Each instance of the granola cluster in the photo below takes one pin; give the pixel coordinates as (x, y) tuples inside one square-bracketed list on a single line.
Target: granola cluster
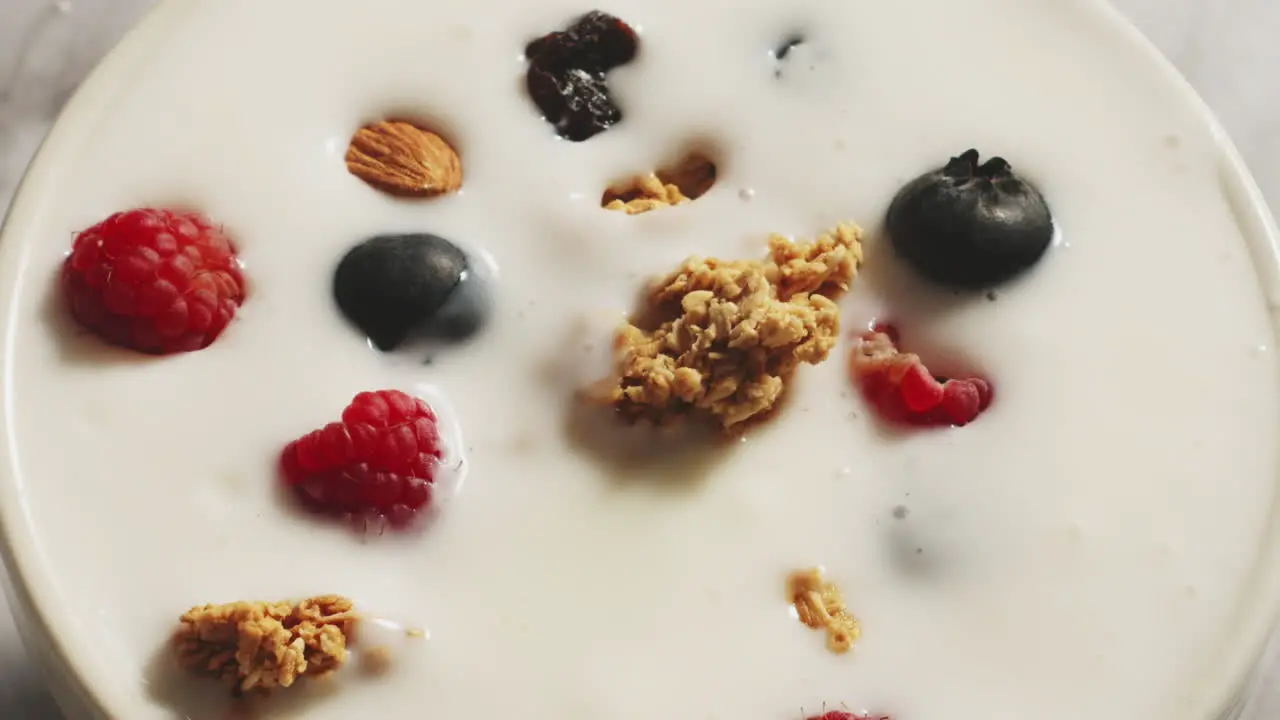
[(648, 192), (262, 646), (722, 338), (676, 185), (820, 606)]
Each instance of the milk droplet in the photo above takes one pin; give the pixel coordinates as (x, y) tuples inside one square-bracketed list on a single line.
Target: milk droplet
[(385, 640)]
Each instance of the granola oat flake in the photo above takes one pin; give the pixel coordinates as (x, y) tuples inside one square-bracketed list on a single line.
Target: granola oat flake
[(261, 646)]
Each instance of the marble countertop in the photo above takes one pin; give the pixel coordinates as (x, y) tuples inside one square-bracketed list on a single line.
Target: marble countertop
[(1226, 48)]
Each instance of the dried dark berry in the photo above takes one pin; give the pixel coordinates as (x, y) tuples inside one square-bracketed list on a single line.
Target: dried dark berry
[(970, 225), (567, 74), (393, 287), (575, 101), (597, 42)]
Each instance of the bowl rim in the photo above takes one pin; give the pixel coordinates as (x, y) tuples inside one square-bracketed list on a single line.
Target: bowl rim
[(81, 689)]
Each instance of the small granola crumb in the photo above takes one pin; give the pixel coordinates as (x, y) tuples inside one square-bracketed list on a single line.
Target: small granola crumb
[(821, 607), (676, 185), (645, 193), (262, 646), (723, 338)]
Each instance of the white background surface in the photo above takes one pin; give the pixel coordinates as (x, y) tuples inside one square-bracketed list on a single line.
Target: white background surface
[(1228, 49)]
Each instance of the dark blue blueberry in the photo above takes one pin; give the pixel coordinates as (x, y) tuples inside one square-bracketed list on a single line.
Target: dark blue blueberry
[(397, 287), (969, 225)]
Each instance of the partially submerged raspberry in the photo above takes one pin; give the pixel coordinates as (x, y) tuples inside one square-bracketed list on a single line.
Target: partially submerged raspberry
[(262, 646), (820, 606), (722, 338), (155, 281), (375, 465), (688, 180), (902, 390), (567, 74), (841, 715)]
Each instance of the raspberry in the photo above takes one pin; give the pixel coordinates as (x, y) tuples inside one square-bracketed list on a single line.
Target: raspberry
[(839, 715), (921, 391), (376, 465), (155, 281), (903, 390)]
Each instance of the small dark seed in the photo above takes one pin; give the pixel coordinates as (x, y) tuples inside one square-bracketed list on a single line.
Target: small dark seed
[(784, 49)]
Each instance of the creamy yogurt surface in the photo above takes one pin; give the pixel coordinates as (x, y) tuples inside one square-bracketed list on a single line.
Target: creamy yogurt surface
[(1079, 551)]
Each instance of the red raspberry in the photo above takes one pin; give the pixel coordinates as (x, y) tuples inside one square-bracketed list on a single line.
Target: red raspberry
[(154, 280), (377, 465), (839, 715), (903, 390)]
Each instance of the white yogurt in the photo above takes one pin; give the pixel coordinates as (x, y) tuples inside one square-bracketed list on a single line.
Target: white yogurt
[(1079, 552)]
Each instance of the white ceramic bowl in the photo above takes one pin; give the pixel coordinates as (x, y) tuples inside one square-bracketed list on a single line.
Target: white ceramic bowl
[(86, 687)]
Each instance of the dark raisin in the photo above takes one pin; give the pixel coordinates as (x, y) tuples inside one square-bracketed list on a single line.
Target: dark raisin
[(597, 41), (567, 74), (968, 225), (576, 102)]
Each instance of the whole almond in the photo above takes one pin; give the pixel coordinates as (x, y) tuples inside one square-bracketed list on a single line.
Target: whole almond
[(402, 159)]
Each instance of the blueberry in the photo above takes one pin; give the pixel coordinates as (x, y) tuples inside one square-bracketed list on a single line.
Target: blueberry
[(393, 287), (567, 74), (970, 225)]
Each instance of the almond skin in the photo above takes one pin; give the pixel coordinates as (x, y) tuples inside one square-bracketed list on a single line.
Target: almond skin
[(402, 159)]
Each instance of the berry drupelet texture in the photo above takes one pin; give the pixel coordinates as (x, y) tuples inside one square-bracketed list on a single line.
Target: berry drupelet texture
[(376, 465), (902, 390), (155, 281)]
